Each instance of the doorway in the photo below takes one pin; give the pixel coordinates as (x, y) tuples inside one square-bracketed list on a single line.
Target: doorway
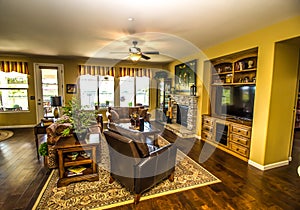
[(48, 82)]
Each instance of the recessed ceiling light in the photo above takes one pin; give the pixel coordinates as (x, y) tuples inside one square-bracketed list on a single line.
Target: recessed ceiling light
[(130, 19)]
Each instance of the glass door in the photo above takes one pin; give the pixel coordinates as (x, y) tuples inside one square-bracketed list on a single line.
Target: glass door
[(49, 82)]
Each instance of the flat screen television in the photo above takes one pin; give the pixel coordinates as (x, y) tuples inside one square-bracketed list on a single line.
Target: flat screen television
[(235, 101)]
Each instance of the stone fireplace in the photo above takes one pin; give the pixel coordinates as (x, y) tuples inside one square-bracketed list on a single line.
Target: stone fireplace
[(188, 110)]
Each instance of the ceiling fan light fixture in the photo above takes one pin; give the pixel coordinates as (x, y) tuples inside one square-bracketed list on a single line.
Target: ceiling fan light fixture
[(135, 56)]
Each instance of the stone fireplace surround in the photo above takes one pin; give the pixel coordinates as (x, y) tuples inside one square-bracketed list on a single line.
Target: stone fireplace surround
[(191, 102)]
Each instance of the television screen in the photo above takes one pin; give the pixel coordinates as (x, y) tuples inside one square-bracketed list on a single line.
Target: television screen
[(236, 101)]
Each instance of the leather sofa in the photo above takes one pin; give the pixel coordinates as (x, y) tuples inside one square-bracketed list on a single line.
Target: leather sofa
[(136, 165), (122, 114)]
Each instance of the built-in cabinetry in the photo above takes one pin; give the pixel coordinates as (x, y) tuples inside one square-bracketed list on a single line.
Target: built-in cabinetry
[(229, 125), (237, 69), (229, 136)]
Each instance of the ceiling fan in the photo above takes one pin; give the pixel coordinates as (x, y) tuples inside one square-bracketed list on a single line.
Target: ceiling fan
[(135, 53)]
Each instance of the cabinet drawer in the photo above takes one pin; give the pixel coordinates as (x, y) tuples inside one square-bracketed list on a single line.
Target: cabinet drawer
[(208, 121), (244, 131), (207, 128), (239, 149), (240, 140), (206, 136)]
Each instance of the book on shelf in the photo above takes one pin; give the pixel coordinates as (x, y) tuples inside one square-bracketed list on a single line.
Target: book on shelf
[(71, 173), (76, 169)]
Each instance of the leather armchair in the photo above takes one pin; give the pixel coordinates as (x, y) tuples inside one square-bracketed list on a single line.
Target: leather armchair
[(136, 169)]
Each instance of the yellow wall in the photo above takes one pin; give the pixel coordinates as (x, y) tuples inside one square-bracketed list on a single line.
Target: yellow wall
[(28, 118), (284, 89), (264, 147)]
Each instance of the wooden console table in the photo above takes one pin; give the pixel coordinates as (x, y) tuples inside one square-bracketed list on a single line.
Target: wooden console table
[(69, 145)]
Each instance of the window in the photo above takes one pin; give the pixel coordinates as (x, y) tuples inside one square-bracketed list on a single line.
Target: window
[(126, 91), (89, 94), (106, 91), (88, 91), (13, 91), (49, 88), (134, 90), (142, 90)]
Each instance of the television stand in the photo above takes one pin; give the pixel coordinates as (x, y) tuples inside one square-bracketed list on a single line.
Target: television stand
[(228, 134)]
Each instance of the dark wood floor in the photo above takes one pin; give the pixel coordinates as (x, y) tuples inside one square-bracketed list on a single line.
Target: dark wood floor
[(243, 187)]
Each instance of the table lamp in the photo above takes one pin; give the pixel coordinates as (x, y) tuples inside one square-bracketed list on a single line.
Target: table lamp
[(56, 101)]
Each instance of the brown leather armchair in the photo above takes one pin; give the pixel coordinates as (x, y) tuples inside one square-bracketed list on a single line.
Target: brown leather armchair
[(135, 166)]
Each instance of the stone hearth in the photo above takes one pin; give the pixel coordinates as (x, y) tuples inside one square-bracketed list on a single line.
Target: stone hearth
[(191, 102)]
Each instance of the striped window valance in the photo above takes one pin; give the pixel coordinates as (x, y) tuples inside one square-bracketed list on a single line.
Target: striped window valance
[(14, 66), (134, 72), (96, 70)]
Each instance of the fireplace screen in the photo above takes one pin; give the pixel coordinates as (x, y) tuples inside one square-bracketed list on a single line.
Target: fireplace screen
[(182, 114)]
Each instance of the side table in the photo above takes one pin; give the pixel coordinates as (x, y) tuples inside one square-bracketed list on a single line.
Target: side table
[(69, 145), (39, 129)]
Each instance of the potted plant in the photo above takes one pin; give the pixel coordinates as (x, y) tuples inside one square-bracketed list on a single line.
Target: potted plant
[(43, 151), (80, 119)]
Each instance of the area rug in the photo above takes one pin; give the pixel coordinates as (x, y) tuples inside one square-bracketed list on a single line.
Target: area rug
[(5, 134), (102, 195)]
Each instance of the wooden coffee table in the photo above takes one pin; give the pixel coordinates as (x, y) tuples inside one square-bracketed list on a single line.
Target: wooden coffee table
[(69, 145)]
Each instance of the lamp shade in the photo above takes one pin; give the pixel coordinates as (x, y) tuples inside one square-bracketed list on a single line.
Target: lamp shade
[(56, 101)]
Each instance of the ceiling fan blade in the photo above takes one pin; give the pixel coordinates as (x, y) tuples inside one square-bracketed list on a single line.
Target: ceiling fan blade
[(118, 52), (152, 53), (145, 57)]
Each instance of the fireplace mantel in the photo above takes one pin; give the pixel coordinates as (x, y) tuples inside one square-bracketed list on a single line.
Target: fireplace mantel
[(191, 102)]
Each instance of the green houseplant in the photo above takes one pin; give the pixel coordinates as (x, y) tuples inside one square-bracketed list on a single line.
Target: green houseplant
[(43, 151), (80, 118)]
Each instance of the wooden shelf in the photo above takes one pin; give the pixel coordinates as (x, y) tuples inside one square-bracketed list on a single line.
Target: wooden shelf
[(71, 145)]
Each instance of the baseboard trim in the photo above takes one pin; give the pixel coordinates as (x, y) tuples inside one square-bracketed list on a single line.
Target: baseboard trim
[(269, 166), (18, 126)]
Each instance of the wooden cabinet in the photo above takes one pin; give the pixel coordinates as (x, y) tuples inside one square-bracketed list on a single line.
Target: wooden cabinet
[(77, 161), (235, 69), (227, 135)]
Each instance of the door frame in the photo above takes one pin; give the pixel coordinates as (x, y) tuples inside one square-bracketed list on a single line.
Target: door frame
[(38, 87)]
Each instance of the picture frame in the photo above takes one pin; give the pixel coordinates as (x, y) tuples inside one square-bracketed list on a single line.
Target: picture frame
[(185, 76), (71, 88)]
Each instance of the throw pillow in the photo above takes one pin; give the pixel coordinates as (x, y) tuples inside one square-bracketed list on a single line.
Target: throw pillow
[(114, 115)]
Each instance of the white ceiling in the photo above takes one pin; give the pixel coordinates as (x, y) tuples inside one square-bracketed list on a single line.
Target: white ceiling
[(95, 28)]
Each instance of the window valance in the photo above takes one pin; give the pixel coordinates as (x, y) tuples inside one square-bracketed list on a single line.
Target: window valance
[(134, 72), (97, 70), (111, 71), (14, 66)]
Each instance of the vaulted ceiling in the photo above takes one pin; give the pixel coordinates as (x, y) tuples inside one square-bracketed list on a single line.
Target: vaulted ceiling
[(102, 28)]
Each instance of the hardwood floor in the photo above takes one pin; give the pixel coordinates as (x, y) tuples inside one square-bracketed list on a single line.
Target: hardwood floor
[(243, 187)]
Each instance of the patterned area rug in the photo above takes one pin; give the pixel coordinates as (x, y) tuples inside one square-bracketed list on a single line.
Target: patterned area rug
[(102, 195), (5, 134)]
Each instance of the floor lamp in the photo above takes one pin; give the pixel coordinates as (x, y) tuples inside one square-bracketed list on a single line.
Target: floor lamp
[(56, 101)]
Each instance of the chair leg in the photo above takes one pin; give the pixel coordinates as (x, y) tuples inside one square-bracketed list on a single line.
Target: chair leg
[(111, 180), (171, 177), (137, 198)]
